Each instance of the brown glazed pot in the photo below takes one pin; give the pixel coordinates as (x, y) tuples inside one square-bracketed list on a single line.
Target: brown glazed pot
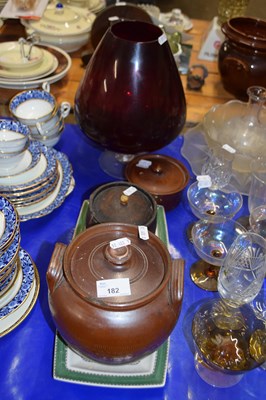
[(242, 56), (116, 329), (108, 203), (165, 178)]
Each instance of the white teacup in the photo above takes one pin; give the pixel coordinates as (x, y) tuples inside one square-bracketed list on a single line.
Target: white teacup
[(39, 111), (33, 106)]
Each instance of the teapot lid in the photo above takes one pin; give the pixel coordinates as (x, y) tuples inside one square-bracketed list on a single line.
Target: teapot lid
[(122, 202), (91, 260), (159, 174)]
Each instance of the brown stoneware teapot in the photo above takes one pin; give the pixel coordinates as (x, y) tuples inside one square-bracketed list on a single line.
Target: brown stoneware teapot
[(114, 297)]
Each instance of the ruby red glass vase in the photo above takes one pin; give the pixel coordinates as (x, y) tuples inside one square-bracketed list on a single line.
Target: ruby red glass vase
[(131, 98)]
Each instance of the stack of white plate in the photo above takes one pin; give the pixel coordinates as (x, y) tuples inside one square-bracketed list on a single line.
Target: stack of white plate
[(39, 65), (39, 183), (19, 279)]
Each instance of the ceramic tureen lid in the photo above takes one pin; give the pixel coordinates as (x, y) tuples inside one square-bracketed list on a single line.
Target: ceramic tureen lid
[(60, 19), (122, 202), (97, 255), (157, 173)]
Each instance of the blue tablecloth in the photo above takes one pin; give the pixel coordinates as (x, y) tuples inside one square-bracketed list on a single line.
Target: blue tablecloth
[(26, 353)]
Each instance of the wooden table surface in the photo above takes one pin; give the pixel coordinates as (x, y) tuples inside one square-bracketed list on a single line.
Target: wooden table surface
[(198, 102)]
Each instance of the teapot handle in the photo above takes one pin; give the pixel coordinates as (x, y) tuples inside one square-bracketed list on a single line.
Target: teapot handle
[(177, 281), (55, 269)]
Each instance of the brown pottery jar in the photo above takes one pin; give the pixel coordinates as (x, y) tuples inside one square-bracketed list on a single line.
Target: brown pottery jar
[(242, 56), (110, 328)]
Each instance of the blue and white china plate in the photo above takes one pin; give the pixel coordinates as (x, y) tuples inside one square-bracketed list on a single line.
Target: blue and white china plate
[(10, 222), (64, 186), (8, 281), (13, 313), (8, 255), (37, 195), (41, 171), (30, 158)]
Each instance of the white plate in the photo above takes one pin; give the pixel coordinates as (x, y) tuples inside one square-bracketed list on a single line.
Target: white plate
[(11, 57), (64, 64), (55, 199), (13, 313), (48, 65)]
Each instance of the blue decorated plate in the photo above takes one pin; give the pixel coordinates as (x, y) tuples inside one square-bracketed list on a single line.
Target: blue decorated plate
[(55, 199), (9, 255), (13, 313), (9, 222)]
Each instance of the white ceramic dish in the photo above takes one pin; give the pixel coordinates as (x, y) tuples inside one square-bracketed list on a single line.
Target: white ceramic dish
[(12, 59), (63, 26), (48, 64), (64, 64), (13, 313)]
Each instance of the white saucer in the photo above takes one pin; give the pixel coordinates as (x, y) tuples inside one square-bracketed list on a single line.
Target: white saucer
[(13, 313)]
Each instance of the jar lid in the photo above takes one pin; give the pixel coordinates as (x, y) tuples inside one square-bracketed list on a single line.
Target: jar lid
[(89, 260), (122, 202), (60, 19), (158, 174)]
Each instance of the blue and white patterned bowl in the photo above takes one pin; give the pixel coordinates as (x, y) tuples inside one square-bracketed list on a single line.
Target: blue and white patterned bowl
[(33, 106), (13, 136)]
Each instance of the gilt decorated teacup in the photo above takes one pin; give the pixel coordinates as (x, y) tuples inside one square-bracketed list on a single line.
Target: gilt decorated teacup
[(39, 110)]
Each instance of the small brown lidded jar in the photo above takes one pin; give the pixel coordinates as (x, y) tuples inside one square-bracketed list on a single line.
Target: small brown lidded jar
[(122, 202), (114, 324), (162, 176)]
